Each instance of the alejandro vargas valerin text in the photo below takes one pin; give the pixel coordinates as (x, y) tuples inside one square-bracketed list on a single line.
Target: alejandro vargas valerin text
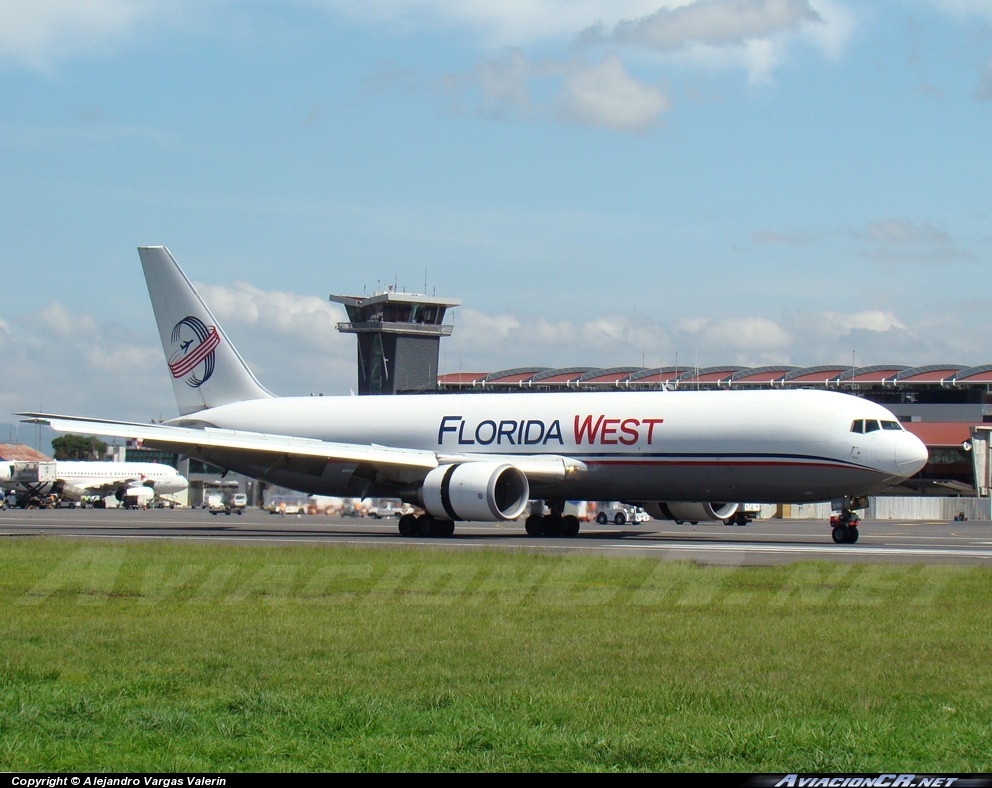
[(147, 781)]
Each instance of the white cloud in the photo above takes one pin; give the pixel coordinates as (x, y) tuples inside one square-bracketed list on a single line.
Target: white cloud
[(739, 341), (605, 95), (36, 32), (71, 362), (716, 23), (290, 341), (897, 240), (833, 36), (55, 320), (730, 34), (490, 342), (305, 320), (743, 334), (838, 324), (498, 23), (506, 84), (712, 34), (904, 231), (599, 94)]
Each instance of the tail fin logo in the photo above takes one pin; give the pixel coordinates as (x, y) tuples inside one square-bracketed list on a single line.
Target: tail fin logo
[(193, 344)]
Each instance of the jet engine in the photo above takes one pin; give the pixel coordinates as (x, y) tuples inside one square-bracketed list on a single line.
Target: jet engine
[(690, 511), (480, 491)]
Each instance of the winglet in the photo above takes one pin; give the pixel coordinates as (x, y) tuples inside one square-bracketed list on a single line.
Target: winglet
[(205, 367)]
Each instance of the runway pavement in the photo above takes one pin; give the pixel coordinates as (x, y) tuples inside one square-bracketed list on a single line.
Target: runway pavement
[(762, 543)]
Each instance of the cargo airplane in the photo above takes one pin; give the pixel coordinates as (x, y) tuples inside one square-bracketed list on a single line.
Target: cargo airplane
[(684, 455)]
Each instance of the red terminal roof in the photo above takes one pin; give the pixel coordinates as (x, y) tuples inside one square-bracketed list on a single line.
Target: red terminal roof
[(461, 377), (641, 377), (981, 374), (940, 433)]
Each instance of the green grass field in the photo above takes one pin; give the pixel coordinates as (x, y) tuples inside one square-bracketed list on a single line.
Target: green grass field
[(181, 657)]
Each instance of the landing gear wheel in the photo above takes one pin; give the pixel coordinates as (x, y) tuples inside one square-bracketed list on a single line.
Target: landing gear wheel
[(443, 528), (551, 525), (570, 525), (534, 525), (408, 525), (841, 534)]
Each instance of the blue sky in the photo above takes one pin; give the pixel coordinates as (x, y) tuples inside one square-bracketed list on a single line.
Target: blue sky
[(600, 183)]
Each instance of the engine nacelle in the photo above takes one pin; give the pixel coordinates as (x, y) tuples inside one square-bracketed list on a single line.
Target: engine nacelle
[(480, 491), (690, 511)]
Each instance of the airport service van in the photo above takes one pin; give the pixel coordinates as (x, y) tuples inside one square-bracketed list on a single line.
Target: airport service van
[(219, 503)]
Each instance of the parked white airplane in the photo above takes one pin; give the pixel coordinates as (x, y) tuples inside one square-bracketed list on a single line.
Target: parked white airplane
[(74, 480), (144, 481), (484, 456)]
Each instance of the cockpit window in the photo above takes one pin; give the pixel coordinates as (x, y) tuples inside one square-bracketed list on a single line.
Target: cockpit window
[(871, 425)]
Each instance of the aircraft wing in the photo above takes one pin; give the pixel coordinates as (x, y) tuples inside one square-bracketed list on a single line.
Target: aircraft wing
[(191, 441)]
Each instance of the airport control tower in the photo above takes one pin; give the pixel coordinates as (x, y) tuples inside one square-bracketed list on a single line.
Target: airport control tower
[(399, 336)]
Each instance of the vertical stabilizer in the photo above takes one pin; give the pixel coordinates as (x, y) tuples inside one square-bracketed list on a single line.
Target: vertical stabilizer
[(206, 369)]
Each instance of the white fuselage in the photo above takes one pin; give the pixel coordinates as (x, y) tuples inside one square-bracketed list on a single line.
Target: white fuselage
[(761, 446), (103, 477)]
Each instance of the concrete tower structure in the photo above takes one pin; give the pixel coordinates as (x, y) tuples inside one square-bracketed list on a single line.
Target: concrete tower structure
[(399, 337)]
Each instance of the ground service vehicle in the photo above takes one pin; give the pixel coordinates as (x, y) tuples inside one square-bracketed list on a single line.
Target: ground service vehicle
[(385, 508), (621, 514), (227, 504)]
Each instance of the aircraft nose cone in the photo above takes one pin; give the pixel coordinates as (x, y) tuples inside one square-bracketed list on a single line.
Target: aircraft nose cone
[(911, 455)]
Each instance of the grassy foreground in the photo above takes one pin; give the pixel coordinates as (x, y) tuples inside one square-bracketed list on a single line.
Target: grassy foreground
[(179, 657)]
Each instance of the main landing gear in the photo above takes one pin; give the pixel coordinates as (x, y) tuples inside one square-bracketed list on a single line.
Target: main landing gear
[(844, 526), (425, 525), (554, 523)]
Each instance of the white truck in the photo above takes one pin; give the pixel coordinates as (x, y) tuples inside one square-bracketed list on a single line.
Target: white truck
[(387, 507), (232, 504), (746, 512)]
